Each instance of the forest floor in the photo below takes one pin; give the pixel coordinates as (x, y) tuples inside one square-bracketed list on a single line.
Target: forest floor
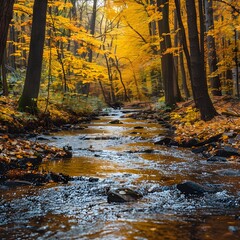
[(20, 157)]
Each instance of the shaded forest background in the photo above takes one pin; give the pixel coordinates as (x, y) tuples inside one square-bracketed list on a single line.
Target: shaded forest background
[(87, 54)]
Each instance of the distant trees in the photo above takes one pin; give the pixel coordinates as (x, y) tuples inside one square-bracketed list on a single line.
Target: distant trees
[(121, 50)]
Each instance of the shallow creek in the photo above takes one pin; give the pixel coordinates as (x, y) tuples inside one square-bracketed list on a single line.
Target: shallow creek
[(124, 155)]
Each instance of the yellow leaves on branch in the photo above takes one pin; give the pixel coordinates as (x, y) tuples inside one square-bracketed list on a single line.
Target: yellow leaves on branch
[(61, 5)]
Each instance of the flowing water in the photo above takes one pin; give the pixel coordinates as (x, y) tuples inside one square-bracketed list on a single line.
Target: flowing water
[(124, 155)]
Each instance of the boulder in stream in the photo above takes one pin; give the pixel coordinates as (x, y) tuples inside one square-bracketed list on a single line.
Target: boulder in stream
[(115, 122), (167, 141), (193, 188), (227, 151), (122, 195)]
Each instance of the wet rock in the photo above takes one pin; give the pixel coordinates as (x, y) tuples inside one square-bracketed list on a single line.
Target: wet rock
[(34, 178), (200, 149), (42, 139), (228, 172), (217, 159), (123, 195), (190, 143), (15, 183), (167, 141), (58, 177), (93, 179), (149, 150), (227, 152), (138, 127), (66, 126), (25, 163), (115, 122), (68, 150), (192, 188), (212, 139), (134, 133)]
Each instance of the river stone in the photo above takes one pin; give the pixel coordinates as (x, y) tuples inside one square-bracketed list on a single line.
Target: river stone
[(192, 188), (123, 195), (167, 141), (115, 122), (217, 159), (227, 152), (16, 183)]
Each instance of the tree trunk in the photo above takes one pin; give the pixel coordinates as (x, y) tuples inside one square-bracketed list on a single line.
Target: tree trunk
[(4, 76), (184, 79), (212, 55), (202, 99), (167, 62), (6, 12), (177, 93), (126, 98), (183, 38), (32, 82)]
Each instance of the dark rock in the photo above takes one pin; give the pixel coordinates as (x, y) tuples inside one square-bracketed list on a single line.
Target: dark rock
[(148, 150), (42, 139), (167, 125), (25, 163), (115, 122), (167, 141), (93, 179), (16, 183), (59, 177), (228, 172), (227, 152), (68, 150), (34, 178), (66, 126), (123, 195), (192, 188), (217, 159), (200, 149), (210, 140), (190, 143), (138, 127), (206, 154)]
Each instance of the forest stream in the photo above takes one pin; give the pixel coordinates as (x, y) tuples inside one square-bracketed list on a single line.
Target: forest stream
[(124, 155)]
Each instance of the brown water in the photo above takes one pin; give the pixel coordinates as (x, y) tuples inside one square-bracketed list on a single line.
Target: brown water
[(121, 155)]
